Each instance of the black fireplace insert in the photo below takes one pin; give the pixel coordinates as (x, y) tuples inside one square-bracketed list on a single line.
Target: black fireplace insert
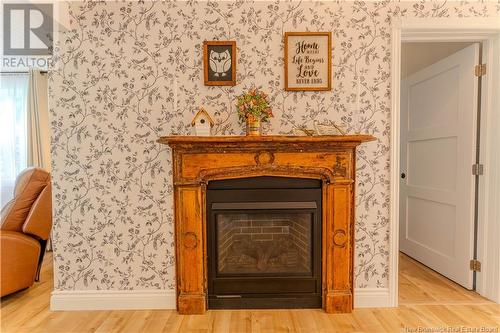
[(264, 243)]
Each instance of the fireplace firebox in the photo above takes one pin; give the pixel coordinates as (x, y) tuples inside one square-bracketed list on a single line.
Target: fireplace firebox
[(264, 243)]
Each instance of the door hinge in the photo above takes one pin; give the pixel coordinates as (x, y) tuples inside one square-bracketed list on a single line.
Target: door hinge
[(477, 169), (480, 70), (475, 265)]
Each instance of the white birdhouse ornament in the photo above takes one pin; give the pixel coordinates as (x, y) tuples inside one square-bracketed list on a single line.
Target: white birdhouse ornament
[(202, 123)]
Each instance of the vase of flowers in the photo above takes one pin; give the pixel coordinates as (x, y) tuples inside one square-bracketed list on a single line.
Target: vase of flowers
[(253, 109)]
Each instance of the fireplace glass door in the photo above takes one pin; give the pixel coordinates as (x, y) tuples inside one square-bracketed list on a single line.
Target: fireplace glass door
[(264, 243)]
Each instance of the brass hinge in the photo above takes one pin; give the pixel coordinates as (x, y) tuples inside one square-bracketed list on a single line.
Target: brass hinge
[(480, 70), (475, 265), (477, 169)]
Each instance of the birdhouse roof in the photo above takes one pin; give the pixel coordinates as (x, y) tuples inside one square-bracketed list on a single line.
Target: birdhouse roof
[(200, 113)]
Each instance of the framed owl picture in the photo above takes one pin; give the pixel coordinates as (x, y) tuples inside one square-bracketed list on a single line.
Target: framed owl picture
[(219, 62)]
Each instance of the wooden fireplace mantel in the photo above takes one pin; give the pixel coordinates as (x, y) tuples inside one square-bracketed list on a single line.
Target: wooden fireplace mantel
[(198, 160)]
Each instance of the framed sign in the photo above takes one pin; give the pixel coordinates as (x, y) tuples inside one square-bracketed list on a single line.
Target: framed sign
[(219, 62), (308, 61)]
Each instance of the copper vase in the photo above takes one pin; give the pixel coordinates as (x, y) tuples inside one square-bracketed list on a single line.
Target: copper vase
[(253, 127)]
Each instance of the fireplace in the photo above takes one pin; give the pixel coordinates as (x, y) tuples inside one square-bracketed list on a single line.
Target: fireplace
[(234, 194), (264, 243)]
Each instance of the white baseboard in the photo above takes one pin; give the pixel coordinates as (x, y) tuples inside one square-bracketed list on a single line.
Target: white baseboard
[(165, 299), (372, 298), (112, 300)]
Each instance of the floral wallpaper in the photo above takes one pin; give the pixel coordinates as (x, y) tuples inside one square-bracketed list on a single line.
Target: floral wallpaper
[(126, 73)]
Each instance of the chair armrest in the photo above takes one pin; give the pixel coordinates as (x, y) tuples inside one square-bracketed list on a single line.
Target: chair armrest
[(19, 255), (39, 220)]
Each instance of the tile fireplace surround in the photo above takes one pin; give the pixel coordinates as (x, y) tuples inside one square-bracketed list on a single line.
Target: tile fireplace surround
[(199, 160)]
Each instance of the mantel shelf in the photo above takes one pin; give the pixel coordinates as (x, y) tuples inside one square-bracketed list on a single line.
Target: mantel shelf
[(190, 139)]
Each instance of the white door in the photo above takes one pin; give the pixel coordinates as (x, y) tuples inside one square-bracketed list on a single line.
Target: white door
[(438, 137)]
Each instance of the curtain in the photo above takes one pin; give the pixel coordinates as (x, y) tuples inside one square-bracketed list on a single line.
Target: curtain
[(38, 121), (13, 131), (38, 124)]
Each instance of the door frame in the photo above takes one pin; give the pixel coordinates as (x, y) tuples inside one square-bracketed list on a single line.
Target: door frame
[(487, 31)]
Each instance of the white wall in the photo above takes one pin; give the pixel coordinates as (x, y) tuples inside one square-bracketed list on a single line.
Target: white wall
[(416, 56)]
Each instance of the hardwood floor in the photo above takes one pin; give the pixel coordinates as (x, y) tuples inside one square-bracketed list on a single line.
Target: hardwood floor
[(427, 300), (421, 285)]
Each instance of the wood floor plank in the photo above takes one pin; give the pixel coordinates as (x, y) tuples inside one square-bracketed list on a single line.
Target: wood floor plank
[(427, 300), (419, 284), (390, 319)]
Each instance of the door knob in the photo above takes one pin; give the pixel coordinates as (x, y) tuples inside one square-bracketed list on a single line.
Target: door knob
[(403, 175)]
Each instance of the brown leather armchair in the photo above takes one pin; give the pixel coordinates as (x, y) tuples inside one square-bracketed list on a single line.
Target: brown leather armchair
[(25, 227)]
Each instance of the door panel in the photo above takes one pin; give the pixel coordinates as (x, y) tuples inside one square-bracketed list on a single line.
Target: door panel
[(427, 112), (438, 123), (442, 152), (432, 215)]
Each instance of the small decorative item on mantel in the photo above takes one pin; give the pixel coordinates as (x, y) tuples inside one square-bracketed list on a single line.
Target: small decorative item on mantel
[(329, 127), (303, 131), (253, 108), (202, 123)]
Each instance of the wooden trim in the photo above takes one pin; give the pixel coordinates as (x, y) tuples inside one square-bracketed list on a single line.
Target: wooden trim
[(233, 63), (325, 139), (309, 33), (84, 300), (489, 196), (486, 29), (198, 160), (371, 298), (353, 218), (395, 168), (267, 170)]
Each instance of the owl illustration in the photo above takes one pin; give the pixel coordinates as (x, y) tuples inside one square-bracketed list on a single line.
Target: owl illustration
[(220, 62)]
